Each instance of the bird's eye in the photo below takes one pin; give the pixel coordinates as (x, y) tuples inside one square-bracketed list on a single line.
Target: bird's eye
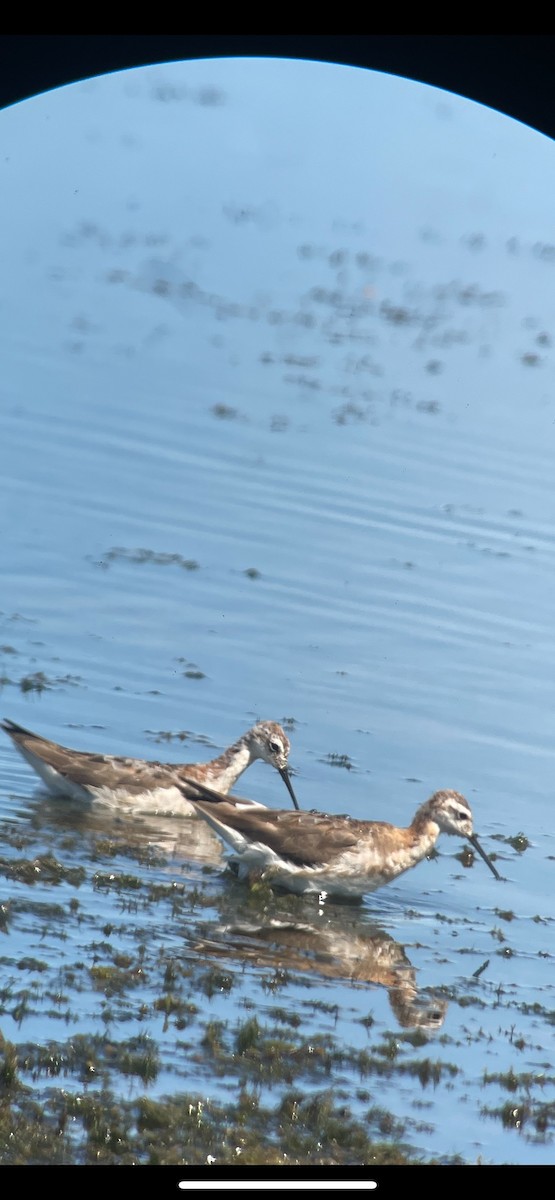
[(461, 815), (275, 747)]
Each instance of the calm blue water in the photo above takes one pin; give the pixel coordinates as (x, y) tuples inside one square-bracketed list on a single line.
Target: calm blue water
[(293, 323)]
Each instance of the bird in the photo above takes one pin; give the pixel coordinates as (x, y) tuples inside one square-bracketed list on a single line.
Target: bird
[(333, 855), (136, 783)]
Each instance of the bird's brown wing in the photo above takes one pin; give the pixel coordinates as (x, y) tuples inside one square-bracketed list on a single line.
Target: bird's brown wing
[(111, 771), (88, 769), (309, 839)]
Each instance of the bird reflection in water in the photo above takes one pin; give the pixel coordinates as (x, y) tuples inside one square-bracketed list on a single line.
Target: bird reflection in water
[(340, 950)]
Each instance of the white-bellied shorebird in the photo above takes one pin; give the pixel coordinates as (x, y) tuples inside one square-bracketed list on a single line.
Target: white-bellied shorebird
[(136, 783), (309, 851)]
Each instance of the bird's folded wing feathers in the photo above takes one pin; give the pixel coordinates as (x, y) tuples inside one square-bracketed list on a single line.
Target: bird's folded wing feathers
[(307, 838)]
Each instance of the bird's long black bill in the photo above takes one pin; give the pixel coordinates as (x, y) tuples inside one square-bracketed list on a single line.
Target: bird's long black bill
[(287, 781), (474, 841)]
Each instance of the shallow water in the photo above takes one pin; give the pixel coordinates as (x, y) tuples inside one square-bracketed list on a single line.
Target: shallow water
[(277, 441)]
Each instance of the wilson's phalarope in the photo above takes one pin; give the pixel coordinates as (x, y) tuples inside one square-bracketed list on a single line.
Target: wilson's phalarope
[(309, 851), (136, 782)]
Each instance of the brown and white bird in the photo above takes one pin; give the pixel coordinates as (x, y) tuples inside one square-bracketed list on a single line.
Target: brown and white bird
[(309, 851), (137, 784)]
